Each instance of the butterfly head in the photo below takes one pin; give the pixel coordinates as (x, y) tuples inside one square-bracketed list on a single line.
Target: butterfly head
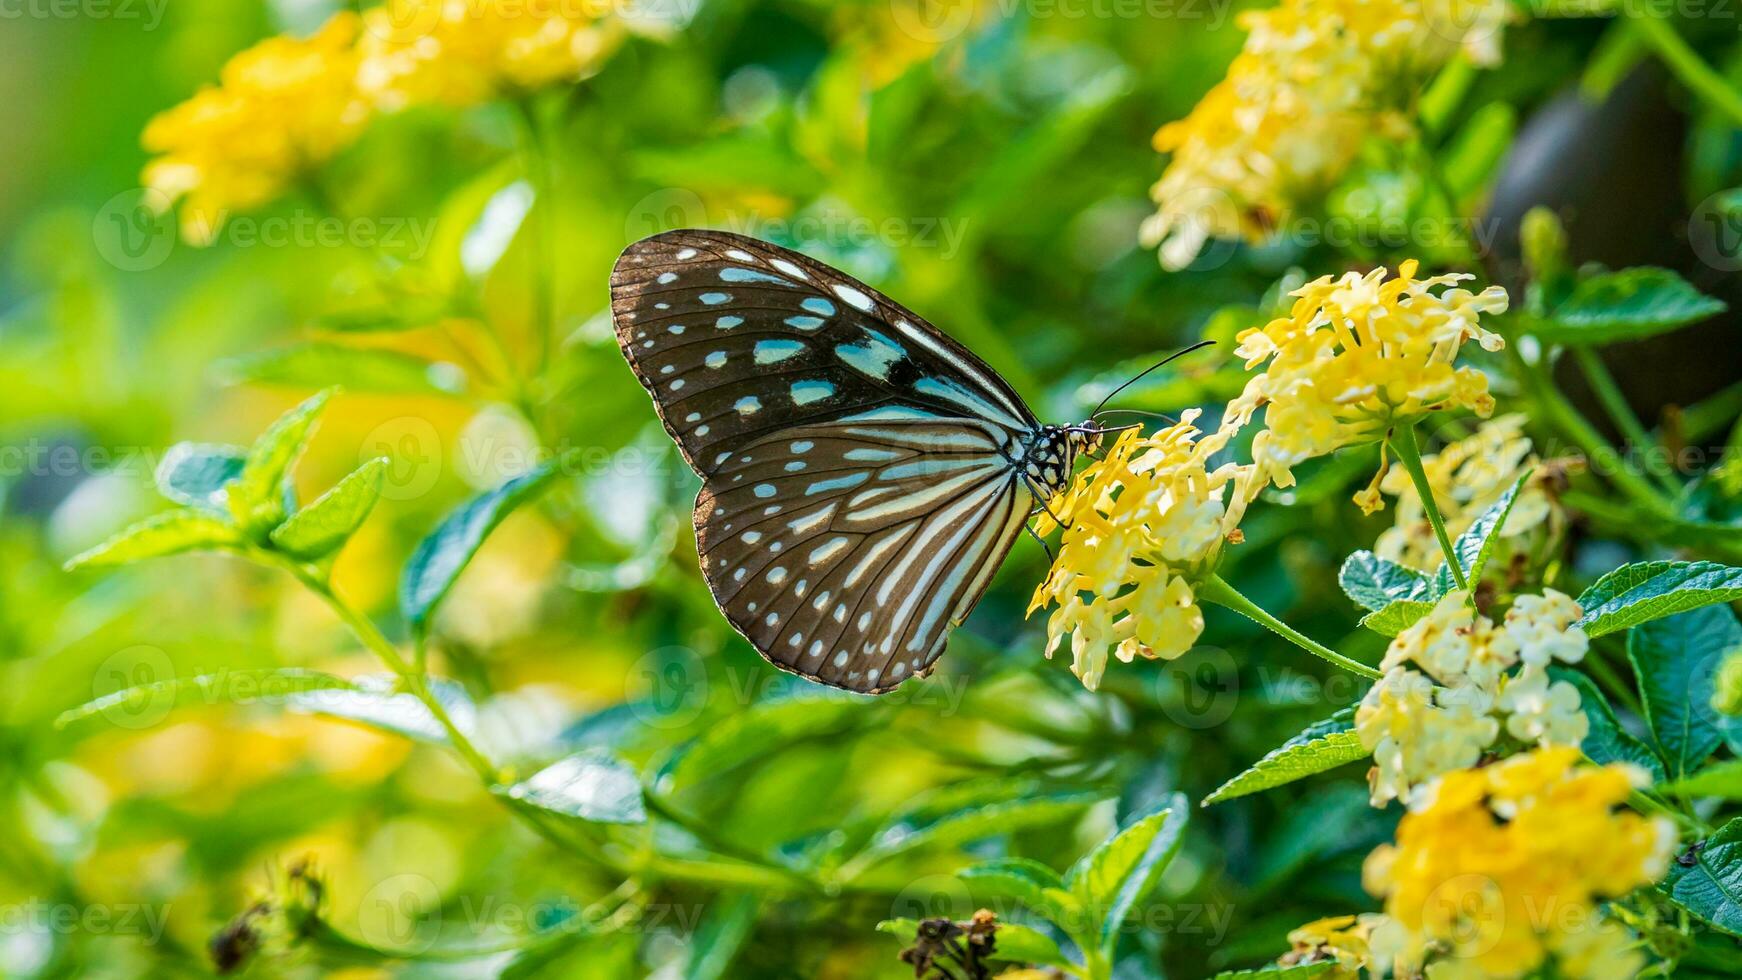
[(1085, 438)]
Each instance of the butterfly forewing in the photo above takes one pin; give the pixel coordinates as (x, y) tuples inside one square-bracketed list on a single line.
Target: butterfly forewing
[(861, 469)]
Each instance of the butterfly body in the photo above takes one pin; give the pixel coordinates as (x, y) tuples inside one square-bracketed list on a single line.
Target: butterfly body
[(863, 474)]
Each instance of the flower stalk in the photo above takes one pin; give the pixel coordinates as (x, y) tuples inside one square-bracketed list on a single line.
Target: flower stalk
[(1217, 590), (1403, 443)]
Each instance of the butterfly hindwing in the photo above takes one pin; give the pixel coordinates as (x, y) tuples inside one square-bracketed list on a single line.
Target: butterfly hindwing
[(861, 470), (846, 551)]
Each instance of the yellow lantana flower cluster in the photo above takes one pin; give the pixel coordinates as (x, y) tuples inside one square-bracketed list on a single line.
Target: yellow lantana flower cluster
[(1496, 870), (1140, 524), (1346, 940), (279, 109), (1314, 79), (463, 52), (287, 105), (1455, 679), (1357, 355), (1468, 477)]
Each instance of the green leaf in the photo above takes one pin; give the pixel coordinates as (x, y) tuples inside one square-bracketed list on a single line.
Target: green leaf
[(1374, 582), (593, 785), (370, 369), (1710, 886), (195, 474), (1322, 746), (498, 224), (1644, 591), (226, 687), (168, 533), (1475, 546), (1720, 780), (765, 727), (1029, 882), (1606, 741), (441, 557), (1115, 876), (721, 934), (914, 831), (323, 526), (1626, 305), (1676, 660), (1017, 943), (376, 701), (257, 497), (1397, 617), (1274, 972)]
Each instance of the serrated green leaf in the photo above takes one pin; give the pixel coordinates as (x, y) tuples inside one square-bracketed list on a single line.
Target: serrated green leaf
[(441, 557), (1644, 591), (916, 831), (370, 369), (593, 785), (1322, 746), (1720, 780), (1605, 740), (323, 526), (376, 701), (1029, 882), (1374, 582), (194, 473), (1626, 305), (169, 533), (764, 727), (1298, 972), (1397, 617), (1121, 871), (257, 495), (1475, 546), (1710, 884), (226, 687), (1676, 660)]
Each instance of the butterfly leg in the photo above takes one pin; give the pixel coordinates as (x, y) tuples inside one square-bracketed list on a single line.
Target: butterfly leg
[(1050, 557)]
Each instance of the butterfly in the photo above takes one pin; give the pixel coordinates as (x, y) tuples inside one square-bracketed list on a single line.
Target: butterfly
[(863, 474)]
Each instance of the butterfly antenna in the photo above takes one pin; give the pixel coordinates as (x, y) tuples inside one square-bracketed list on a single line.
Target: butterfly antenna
[(1138, 411), (1179, 353)]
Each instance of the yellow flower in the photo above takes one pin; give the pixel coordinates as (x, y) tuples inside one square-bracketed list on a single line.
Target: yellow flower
[(279, 109), (1356, 356), (463, 52), (1496, 870), (1343, 939), (1450, 685), (1468, 477), (1314, 79), (1142, 524)]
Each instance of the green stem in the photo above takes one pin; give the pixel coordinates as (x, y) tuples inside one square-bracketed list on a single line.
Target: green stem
[(1685, 62), (1584, 435), (1215, 589), (1615, 404), (1409, 454), (536, 164)]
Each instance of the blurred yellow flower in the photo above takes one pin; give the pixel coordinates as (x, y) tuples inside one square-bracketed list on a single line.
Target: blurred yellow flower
[(1356, 356), (1141, 525), (1468, 477), (279, 109), (1314, 79), (1497, 869), (1449, 686), (463, 52), (1342, 939)]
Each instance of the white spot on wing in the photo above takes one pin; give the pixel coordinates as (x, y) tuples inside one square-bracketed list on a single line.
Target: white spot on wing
[(717, 359), (854, 298), (775, 351), (788, 268), (748, 405), (805, 392)]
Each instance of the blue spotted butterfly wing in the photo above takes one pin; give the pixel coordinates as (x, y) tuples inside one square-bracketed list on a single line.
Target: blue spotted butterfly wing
[(861, 477)]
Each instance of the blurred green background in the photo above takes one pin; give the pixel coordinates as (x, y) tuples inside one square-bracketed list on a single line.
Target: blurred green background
[(993, 179)]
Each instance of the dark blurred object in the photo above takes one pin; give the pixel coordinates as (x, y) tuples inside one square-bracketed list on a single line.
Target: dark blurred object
[(1614, 172)]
